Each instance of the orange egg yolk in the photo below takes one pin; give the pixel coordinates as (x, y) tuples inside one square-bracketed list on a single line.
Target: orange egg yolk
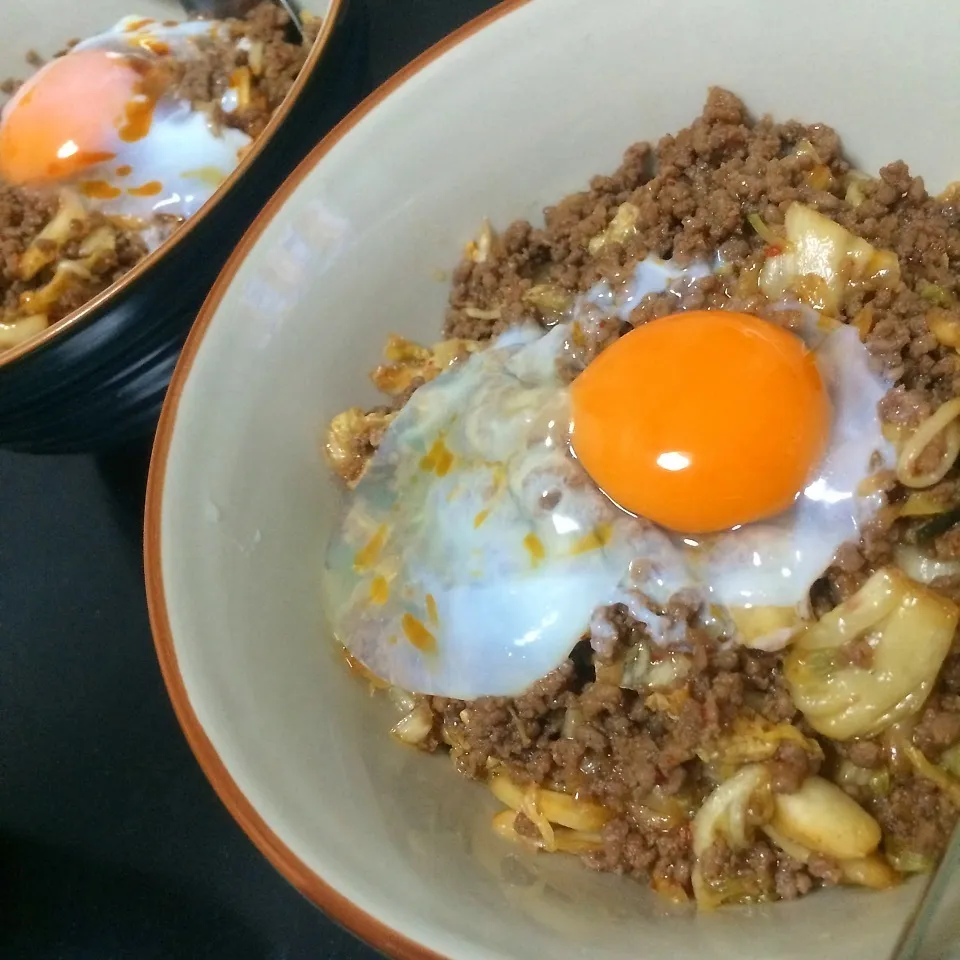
[(67, 117), (703, 420)]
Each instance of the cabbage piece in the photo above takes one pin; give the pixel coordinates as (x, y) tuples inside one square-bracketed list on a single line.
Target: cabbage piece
[(935, 294), (619, 230), (562, 840), (909, 629), (922, 503), (98, 247), (414, 727), (559, 808), (485, 246), (766, 233), (96, 251), (661, 811), (821, 817), (15, 332), (752, 739), (667, 671), (551, 301), (874, 781), (907, 861), (765, 628), (730, 814), (898, 739), (68, 276), (941, 424), (820, 259), (351, 438), (923, 568), (854, 182), (873, 871), (945, 325), (950, 760), (255, 57), (408, 361), (790, 847), (241, 80)]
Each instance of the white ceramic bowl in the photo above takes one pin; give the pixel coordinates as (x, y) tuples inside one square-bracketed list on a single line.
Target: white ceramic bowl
[(513, 112)]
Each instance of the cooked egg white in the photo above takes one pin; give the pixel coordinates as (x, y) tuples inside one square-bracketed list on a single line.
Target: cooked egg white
[(473, 553)]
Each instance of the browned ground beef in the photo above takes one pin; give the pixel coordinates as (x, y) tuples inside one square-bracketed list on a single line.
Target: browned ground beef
[(204, 80), (694, 191), (25, 212)]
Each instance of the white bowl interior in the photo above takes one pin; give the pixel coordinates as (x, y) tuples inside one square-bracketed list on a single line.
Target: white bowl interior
[(486, 130)]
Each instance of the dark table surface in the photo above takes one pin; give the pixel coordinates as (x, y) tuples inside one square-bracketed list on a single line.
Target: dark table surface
[(112, 843)]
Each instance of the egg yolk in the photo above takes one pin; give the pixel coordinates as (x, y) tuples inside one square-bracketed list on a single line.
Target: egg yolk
[(67, 116), (703, 420)]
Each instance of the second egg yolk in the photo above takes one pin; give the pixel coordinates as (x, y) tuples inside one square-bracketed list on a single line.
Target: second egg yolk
[(702, 420), (66, 117)]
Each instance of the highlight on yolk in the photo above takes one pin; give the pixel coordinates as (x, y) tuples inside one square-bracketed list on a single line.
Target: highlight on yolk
[(65, 118), (703, 420)]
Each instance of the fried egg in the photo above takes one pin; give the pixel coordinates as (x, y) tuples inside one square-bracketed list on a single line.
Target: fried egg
[(711, 453), (103, 118)]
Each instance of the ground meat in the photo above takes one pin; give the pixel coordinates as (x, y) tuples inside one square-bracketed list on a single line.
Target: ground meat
[(761, 872), (947, 545), (790, 766), (23, 214), (794, 878), (857, 653), (626, 748), (593, 728), (939, 724), (272, 69), (865, 753), (915, 816), (905, 408)]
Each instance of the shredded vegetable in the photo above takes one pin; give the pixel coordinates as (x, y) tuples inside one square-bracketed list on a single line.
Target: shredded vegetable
[(841, 700), (558, 808), (942, 421), (944, 324), (774, 240), (415, 726), (898, 738), (351, 438), (923, 568), (765, 628), (552, 302), (619, 230), (821, 258), (408, 362), (752, 739), (922, 503), (12, 334), (46, 246), (935, 294), (854, 182)]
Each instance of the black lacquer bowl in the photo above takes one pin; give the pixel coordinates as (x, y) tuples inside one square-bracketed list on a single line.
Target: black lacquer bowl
[(98, 377)]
